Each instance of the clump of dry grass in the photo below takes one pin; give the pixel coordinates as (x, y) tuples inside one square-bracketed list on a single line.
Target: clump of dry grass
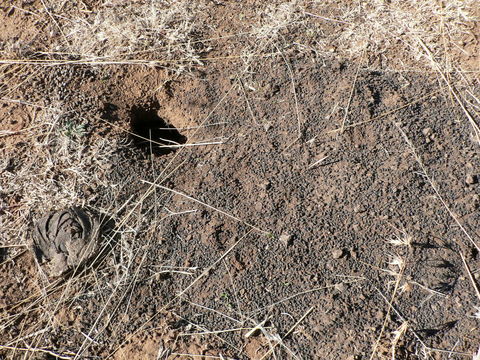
[(389, 30), (275, 18), (379, 26), (126, 30), (62, 164), (57, 165)]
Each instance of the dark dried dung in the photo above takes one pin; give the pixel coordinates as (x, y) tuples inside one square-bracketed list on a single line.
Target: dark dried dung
[(66, 239)]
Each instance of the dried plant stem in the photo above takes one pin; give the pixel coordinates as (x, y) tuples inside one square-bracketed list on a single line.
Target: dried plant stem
[(435, 189), (207, 206), (470, 275), (452, 89), (268, 353)]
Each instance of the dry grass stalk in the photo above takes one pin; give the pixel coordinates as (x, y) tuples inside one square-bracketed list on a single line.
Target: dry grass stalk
[(253, 227), (470, 276), (272, 349), (435, 189), (115, 31), (399, 262)]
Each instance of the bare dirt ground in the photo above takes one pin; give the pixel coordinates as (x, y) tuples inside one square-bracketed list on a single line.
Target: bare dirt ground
[(320, 200)]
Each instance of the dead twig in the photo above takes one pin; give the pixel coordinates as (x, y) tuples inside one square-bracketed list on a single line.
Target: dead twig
[(208, 206), (268, 353), (470, 275), (435, 189), (45, 351)]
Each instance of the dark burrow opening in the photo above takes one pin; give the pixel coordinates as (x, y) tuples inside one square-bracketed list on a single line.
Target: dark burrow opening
[(151, 133)]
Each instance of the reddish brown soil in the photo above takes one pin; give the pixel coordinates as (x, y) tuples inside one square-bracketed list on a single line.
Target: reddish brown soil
[(292, 213)]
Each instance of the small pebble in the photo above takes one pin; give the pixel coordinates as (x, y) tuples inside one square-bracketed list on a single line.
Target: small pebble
[(286, 239), (471, 179), (427, 131), (337, 253), (265, 185)]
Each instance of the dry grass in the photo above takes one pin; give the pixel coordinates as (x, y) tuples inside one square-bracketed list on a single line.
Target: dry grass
[(387, 31), (173, 33), (125, 30), (115, 32), (62, 164), (382, 27)]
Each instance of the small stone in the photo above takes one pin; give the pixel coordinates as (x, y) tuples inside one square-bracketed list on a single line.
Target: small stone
[(337, 253), (427, 131), (353, 357), (286, 239), (471, 179), (237, 263), (340, 287)]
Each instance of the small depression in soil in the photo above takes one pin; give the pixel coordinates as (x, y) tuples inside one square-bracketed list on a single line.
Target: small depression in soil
[(151, 133)]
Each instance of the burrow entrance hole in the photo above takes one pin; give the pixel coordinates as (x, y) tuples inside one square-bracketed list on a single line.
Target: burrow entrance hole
[(151, 133)]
